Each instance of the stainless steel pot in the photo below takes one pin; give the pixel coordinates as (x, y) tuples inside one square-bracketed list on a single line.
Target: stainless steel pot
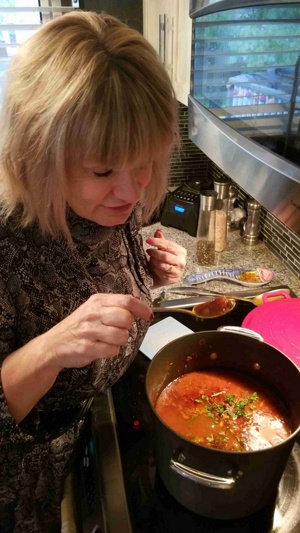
[(214, 483)]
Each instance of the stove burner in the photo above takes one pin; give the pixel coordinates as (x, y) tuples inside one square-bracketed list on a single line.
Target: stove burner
[(287, 511)]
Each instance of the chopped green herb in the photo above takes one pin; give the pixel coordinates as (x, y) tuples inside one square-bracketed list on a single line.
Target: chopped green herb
[(229, 398), (253, 397), (230, 407)]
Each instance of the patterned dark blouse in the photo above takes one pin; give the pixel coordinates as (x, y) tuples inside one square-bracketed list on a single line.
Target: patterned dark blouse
[(42, 280)]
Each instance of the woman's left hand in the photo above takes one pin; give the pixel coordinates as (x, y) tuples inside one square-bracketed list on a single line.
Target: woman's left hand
[(167, 260)]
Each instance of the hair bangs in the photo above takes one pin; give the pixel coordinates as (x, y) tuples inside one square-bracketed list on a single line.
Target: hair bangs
[(120, 126)]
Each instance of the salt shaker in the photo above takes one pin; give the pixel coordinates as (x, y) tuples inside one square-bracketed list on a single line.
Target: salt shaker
[(221, 186), (205, 240)]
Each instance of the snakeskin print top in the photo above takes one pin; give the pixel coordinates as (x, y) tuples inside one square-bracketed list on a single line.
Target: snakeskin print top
[(42, 280)]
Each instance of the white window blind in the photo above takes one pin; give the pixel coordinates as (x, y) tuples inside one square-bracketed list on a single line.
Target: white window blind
[(19, 19)]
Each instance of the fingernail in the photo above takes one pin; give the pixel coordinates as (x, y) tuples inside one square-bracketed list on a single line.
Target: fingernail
[(151, 317), (149, 241), (138, 297)]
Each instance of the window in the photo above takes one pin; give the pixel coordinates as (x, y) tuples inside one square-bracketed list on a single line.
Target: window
[(19, 19)]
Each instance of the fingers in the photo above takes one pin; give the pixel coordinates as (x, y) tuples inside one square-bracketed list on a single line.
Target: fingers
[(167, 260), (164, 245), (164, 260), (96, 329), (109, 318), (107, 304), (159, 234), (166, 253)]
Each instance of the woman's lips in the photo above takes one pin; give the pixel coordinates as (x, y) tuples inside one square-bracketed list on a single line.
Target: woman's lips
[(119, 210)]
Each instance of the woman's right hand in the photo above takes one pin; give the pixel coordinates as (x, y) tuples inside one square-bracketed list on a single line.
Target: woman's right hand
[(95, 330)]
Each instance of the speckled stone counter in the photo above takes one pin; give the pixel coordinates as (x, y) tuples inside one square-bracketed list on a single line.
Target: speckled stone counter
[(236, 254)]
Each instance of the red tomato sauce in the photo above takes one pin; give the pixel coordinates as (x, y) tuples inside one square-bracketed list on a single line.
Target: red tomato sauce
[(224, 410), (216, 307)]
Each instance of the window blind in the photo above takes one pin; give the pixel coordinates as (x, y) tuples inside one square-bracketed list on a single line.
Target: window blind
[(21, 18)]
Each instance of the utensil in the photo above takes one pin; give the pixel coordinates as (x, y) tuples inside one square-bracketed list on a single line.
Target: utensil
[(249, 277), (210, 309), (255, 300), (202, 292)]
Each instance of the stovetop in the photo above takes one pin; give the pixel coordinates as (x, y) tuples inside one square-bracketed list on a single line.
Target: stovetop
[(117, 486), (151, 508)]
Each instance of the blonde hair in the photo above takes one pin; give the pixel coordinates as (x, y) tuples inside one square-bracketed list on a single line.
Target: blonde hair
[(84, 85)]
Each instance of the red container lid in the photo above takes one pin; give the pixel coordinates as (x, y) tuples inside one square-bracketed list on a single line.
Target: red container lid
[(278, 322)]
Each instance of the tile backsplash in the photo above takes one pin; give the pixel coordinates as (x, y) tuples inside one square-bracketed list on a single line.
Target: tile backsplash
[(192, 164)]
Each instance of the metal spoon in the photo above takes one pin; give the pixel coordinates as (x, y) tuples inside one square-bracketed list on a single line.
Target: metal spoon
[(212, 309), (255, 300), (247, 293)]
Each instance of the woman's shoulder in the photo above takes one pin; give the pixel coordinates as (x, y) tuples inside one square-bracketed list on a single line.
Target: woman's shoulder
[(17, 243), (10, 238)]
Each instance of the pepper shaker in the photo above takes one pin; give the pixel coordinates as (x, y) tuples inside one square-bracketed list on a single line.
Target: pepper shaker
[(205, 240), (251, 231), (221, 186)]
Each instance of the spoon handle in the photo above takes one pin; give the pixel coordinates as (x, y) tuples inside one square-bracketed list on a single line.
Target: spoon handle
[(171, 310)]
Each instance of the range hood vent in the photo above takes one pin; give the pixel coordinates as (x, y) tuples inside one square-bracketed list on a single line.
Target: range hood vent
[(244, 106)]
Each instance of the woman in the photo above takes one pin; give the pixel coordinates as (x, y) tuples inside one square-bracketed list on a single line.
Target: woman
[(88, 126)]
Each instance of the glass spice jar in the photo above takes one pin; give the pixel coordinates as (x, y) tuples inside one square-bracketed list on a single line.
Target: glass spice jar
[(221, 186), (205, 239)]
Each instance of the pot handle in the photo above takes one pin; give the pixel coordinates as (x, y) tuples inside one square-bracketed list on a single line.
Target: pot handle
[(209, 480), (242, 331)]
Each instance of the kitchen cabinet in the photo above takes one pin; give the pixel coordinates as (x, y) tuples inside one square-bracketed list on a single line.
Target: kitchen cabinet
[(168, 27), (129, 11)]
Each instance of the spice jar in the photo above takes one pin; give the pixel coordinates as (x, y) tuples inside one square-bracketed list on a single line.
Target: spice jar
[(205, 240), (221, 186), (233, 193)]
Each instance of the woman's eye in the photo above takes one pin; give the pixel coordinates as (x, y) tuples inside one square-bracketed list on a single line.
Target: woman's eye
[(103, 174)]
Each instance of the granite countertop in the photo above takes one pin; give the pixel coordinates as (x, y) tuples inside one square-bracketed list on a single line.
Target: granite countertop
[(236, 254)]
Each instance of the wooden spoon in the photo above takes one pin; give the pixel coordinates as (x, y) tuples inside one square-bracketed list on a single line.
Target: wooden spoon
[(263, 298)]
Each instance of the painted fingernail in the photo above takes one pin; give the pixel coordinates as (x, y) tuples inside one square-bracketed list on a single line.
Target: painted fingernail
[(151, 317), (149, 241)]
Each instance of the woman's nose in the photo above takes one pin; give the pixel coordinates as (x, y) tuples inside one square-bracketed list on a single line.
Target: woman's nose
[(127, 187)]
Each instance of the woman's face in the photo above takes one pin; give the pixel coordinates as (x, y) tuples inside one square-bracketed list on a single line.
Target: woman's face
[(104, 195)]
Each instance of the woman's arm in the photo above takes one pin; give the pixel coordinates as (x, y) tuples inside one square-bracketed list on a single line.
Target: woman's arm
[(96, 329), (26, 376)]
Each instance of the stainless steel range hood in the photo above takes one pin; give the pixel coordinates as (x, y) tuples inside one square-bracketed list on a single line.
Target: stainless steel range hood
[(211, 6), (271, 179)]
